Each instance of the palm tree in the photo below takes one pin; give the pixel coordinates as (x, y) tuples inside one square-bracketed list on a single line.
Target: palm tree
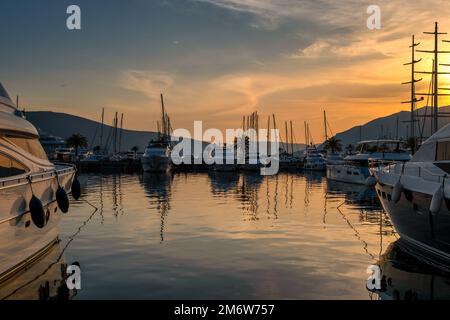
[(349, 148), (135, 149), (333, 144), (77, 141)]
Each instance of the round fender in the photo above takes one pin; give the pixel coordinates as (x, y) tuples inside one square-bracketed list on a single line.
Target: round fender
[(76, 189), (37, 212), (62, 200), (398, 189), (436, 201), (371, 181)]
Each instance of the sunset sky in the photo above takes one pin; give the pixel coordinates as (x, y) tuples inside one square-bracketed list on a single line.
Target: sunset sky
[(216, 60)]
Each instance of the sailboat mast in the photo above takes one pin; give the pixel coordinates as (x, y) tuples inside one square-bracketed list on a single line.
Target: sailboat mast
[(268, 135), (292, 140), (306, 135), (325, 124), (163, 117), (435, 77), (101, 128), (120, 132)]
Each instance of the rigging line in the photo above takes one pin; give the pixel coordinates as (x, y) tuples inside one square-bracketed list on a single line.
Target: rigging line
[(357, 234), (71, 238), (95, 136), (426, 109)]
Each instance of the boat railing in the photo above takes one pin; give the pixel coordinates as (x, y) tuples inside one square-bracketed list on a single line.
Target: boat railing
[(400, 168), (30, 177)]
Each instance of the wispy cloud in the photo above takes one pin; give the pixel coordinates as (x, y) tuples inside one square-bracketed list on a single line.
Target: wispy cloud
[(148, 83)]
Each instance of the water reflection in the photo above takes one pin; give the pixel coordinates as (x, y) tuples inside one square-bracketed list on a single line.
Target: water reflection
[(158, 190), (224, 235), (223, 183), (407, 275), (42, 280)]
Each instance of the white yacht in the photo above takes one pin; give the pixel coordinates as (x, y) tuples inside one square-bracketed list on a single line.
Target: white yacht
[(355, 168), (33, 192), (314, 160), (156, 157), (416, 195)]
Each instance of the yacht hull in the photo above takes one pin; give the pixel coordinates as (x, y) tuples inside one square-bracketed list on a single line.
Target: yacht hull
[(349, 174), (20, 239), (415, 223), (156, 163)]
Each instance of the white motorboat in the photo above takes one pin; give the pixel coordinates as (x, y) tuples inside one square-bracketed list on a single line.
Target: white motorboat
[(416, 195), (33, 192), (355, 168), (156, 157), (314, 160)]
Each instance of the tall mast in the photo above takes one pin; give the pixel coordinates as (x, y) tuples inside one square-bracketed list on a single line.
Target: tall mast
[(101, 128), (292, 140), (268, 134), (163, 117), (115, 134), (325, 124), (413, 100), (306, 135), (120, 132), (275, 127), (286, 142), (435, 73)]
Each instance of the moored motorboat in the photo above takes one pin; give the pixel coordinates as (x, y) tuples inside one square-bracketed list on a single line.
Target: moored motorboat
[(416, 195), (355, 168), (33, 192), (314, 160)]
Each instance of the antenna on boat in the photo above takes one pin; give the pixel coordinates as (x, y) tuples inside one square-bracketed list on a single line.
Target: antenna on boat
[(435, 73)]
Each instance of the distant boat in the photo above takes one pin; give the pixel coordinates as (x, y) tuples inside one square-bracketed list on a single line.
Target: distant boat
[(51, 144), (29, 187), (355, 168), (314, 160), (156, 157)]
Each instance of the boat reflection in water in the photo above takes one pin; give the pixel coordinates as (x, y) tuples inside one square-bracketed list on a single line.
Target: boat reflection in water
[(44, 279), (406, 275), (223, 183), (158, 189), (358, 195)]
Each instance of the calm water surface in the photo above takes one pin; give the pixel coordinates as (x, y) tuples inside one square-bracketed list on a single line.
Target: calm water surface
[(207, 236)]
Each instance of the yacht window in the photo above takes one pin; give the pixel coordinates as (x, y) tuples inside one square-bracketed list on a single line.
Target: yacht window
[(10, 167), (30, 145), (443, 151)]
